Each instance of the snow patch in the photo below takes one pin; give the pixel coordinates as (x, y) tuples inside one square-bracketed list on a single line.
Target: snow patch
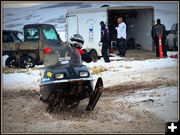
[(163, 103), (126, 71), (21, 81), (54, 14), (113, 73), (4, 60)]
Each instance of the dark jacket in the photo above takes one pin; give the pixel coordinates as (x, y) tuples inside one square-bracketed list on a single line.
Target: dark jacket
[(104, 33), (158, 29), (85, 55)]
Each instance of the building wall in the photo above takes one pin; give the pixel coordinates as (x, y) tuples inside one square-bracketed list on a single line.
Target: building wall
[(140, 28)]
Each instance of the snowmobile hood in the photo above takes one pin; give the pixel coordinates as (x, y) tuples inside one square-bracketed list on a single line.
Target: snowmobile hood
[(57, 74)]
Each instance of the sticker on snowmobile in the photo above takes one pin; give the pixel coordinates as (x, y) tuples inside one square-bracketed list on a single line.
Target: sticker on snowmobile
[(64, 58), (49, 74), (64, 62), (45, 79)]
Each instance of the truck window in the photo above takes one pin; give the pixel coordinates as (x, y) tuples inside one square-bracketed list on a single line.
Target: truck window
[(16, 38), (20, 36), (31, 34), (7, 38), (50, 34)]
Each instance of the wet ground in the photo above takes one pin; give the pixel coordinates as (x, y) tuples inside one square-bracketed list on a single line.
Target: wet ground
[(23, 112)]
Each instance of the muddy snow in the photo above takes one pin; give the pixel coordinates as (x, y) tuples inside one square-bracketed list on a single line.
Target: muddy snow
[(139, 96), (118, 112)]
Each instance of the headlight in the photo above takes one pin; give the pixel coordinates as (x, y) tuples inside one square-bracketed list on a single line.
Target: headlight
[(59, 76), (83, 74)]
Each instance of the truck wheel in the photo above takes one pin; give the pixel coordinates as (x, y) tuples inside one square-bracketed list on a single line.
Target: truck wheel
[(27, 61), (11, 62), (93, 55)]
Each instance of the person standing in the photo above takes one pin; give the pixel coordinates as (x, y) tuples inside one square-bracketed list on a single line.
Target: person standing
[(159, 29), (105, 41), (121, 37)]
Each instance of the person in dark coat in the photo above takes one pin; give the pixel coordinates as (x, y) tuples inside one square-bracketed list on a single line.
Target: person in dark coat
[(159, 29), (105, 41)]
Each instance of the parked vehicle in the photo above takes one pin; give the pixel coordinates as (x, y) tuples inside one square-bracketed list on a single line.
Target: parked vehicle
[(37, 37), (12, 36), (86, 22), (172, 38), (66, 81)]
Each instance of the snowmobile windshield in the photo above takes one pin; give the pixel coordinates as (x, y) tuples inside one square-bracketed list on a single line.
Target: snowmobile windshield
[(63, 56)]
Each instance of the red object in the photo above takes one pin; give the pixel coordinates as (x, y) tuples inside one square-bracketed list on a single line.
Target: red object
[(174, 56), (160, 46), (80, 51), (47, 50)]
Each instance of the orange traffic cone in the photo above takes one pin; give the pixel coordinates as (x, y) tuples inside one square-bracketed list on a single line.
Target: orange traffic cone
[(160, 46)]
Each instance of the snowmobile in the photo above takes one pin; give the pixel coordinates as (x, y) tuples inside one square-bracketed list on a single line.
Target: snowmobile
[(66, 81)]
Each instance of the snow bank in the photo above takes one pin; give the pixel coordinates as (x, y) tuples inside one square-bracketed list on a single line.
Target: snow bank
[(125, 71), (135, 65), (21, 81), (51, 13), (116, 72)]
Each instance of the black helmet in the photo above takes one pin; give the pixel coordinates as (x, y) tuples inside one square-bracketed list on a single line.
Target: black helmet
[(77, 41)]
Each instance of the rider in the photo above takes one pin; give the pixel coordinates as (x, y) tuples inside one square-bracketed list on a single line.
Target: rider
[(77, 41)]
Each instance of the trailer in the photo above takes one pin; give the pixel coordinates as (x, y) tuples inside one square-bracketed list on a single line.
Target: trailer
[(139, 21)]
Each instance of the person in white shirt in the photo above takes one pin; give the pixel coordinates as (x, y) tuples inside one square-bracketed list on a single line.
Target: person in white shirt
[(121, 37)]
